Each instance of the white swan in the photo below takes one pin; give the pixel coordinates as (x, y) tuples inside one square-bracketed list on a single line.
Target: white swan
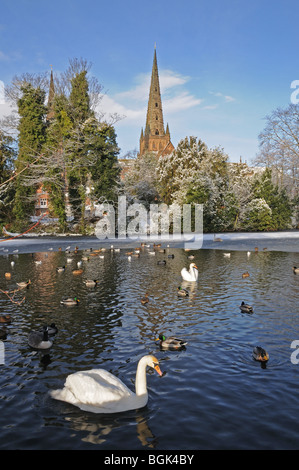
[(99, 391), (192, 274)]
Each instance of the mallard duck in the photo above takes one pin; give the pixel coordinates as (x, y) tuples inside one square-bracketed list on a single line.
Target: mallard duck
[(24, 284), (91, 283), (295, 270), (182, 292), (171, 342), (70, 301), (161, 262), (191, 275), (246, 308), (60, 269), (99, 391), (5, 319), (245, 274), (144, 300), (38, 340), (260, 354), (77, 271), (170, 256)]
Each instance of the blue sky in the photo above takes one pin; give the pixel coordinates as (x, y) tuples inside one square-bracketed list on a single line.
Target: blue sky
[(223, 64)]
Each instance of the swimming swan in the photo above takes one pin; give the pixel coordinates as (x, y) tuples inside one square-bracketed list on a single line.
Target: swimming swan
[(99, 391), (192, 274)]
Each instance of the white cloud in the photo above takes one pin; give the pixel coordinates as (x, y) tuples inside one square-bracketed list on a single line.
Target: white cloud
[(133, 103), (227, 98)]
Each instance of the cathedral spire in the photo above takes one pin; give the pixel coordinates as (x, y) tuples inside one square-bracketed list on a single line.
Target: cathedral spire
[(154, 138), (154, 117)]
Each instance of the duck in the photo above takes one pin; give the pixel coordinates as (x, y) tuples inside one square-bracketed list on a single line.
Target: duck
[(161, 262), (191, 275), (226, 255), (60, 269), (170, 256), (260, 354), (24, 284), (40, 340), (7, 275), (245, 308), (191, 257), (91, 283), (70, 301), (77, 271), (5, 319), (245, 274), (144, 300), (295, 270), (99, 391), (3, 333), (37, 262), (171, 342), (182, 292)]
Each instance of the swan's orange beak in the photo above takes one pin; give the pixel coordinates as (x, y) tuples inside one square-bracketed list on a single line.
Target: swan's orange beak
[(157, 368), (195, 267)]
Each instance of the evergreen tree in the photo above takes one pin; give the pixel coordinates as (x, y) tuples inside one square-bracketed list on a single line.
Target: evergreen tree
[(277, 200), (77, 149), (7, 188), (58, 131), (32, 136)]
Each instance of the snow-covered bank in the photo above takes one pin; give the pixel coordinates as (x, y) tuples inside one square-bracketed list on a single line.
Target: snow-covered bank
[(287, 241)]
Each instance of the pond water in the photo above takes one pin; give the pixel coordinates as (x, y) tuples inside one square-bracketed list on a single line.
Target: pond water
[(213, 394)]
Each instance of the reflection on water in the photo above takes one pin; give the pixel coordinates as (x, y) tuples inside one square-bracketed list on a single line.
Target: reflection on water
[(207, 390)]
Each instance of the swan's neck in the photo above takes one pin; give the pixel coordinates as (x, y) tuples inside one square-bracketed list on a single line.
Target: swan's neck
[(193, 273), (140, 383)]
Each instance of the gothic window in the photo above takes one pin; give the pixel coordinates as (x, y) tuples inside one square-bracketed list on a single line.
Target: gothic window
[(156, 105), (157, 132), (157, 118)]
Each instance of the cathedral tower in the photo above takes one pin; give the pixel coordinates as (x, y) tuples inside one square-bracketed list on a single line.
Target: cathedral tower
[(155, 138)]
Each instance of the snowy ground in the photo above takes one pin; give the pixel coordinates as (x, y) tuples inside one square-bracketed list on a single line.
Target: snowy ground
[(287, 241)]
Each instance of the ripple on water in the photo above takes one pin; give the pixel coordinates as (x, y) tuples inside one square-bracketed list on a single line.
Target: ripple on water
[(213, 393)]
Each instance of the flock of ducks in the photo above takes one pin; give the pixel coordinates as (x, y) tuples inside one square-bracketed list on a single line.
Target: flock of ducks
[(98, 390)]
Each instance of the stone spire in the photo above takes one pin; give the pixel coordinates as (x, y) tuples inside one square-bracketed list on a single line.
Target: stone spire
[(154, 138), (154, 117), (50, 114)]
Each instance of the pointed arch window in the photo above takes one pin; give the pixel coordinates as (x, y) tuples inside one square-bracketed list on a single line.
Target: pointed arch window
[(157, 132)]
